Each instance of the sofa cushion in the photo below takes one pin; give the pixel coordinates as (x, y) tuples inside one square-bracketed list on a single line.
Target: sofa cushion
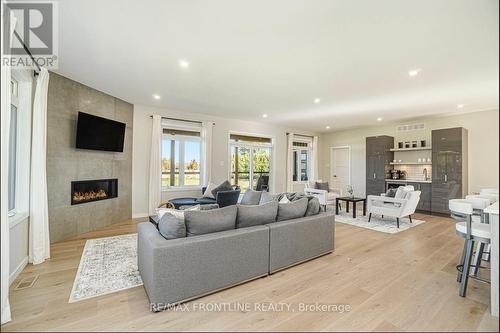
[(322, 186), (200, 207), (292, 210), (251, 197), (252, 215), (225, 186), (172, 226), (313, 207), (209, 221)]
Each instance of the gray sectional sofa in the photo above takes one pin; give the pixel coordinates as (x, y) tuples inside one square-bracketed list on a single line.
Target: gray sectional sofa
[(178, 270)]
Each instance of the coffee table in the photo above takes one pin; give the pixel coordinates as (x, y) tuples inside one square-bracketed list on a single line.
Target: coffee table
[(347, 200)]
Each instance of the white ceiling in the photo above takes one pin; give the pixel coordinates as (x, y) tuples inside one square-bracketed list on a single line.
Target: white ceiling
[(276, 56)]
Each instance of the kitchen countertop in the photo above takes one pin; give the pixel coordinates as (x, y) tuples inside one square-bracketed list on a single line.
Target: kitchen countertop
[(408, 181)]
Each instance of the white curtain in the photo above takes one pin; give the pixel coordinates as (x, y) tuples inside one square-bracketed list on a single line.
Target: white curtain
[(4, 177), (39, 248), (289, 163), (206, 146), (155, 165), (315, 159)]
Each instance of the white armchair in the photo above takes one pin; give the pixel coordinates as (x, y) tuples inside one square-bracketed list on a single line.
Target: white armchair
[(325, 197), (403, 204)]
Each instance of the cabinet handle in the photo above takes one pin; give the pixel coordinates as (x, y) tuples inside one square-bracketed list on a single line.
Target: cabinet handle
[(445, 178), (374, 175)]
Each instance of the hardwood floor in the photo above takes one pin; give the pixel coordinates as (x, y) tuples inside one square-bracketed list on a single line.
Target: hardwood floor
[(405, 281)]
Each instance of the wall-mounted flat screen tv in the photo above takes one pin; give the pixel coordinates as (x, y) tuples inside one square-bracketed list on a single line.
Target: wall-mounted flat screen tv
[(99, 133)]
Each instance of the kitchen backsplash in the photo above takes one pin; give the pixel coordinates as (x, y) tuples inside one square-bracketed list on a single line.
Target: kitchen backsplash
[(416, 172)]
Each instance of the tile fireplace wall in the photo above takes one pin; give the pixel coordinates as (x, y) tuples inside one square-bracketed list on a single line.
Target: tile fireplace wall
[(66, 164)]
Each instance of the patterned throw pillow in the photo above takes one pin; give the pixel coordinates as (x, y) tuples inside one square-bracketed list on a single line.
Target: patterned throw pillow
[(391, 193)]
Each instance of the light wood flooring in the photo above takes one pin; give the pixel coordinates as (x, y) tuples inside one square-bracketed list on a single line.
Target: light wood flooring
[(401, 282)]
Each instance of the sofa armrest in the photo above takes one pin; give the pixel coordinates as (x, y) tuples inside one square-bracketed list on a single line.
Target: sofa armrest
[(386, 199)]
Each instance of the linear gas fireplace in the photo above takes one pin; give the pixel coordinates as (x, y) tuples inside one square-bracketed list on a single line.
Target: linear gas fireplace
[(93, 190)]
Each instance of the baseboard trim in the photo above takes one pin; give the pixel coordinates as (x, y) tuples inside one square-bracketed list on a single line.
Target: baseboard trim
[(140, 215), (13, 276)]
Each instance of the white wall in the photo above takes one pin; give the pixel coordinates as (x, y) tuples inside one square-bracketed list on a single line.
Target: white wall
[(220, 152), (483, 146)]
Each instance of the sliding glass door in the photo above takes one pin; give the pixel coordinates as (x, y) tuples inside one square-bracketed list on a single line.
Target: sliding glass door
[(251, 162)]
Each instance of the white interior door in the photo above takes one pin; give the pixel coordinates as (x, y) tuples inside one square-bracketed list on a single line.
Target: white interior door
[(340, 168)]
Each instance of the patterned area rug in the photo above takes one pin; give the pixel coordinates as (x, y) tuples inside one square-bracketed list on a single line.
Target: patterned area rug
[(386, 224), (107, 265)]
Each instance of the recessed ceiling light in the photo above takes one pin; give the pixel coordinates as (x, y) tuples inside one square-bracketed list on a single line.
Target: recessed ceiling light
[(264, 115), (380, 119), (460, 106), (317, 100), (156, 96), (414, 72), (183, 63), (327, 127)]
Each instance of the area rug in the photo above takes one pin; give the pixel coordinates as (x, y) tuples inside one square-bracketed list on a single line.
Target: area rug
[(107, 265), (377, 223)]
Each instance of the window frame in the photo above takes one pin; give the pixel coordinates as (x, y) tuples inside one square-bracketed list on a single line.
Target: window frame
[(24, 80), (251, 147), (182, 139), (298, 150)]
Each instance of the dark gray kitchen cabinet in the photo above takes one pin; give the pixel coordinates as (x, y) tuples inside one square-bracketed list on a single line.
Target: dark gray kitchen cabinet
[(425, 195), (378, 158), (449, 167)]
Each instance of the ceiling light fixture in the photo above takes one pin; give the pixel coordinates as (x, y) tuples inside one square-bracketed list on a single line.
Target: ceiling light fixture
[(156, 96), (380, 119), (264, 115), (460, 106), (317, 100), (414, 72), (183, 63), (327, 127)]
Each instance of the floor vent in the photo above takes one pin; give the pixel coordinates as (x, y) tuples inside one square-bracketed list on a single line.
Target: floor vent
[(411, 127), (26, 283)]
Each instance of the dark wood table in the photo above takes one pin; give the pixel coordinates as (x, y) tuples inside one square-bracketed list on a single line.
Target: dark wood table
[(354, 201)]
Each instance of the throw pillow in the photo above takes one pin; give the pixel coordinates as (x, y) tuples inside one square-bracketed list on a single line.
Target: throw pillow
[(292, 210), (208, 191), (252, 215), (313, 207), (284, 200), (225, 186), (171, 226), (322, 186), (251, 197), (162, 211), (391, 193), (266, 197), (209, 221)]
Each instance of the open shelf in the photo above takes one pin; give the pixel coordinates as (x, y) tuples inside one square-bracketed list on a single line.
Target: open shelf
[(410, 163), (411, 149)]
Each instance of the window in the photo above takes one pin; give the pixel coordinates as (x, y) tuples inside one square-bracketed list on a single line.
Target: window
[(181, 158), (250, 162), (301, 160), (13, 148)]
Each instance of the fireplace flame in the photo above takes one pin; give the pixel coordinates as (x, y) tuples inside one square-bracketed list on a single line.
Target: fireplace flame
[(90, 195)]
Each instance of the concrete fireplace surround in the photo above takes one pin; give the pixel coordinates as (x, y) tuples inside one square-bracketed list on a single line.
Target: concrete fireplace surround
[(65, 163)]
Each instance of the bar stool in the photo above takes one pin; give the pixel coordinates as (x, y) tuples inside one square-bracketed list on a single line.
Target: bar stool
[(473, 232)]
